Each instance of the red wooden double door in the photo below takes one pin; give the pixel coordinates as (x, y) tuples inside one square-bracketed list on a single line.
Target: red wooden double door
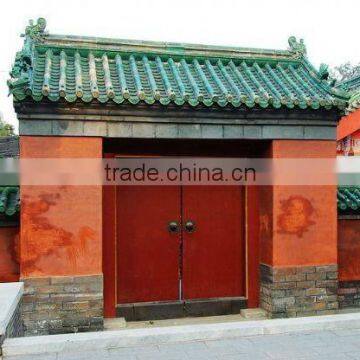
[(179, 243)]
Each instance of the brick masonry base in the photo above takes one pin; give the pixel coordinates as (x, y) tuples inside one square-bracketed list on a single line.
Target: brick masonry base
[(55, 305), (299, 291), (349, 294)]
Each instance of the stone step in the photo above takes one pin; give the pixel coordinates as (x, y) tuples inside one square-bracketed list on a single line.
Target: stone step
[(253, 314), (114, 324), (50, 345)]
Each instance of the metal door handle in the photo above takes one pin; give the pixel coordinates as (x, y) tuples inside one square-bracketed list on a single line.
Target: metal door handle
[(190, 226), (173, 227)]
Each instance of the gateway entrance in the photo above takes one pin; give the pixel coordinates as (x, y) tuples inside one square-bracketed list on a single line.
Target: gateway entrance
[(174, 251)]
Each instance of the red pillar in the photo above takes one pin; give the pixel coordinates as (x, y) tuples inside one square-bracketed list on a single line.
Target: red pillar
[(61, 244), (298, 232)]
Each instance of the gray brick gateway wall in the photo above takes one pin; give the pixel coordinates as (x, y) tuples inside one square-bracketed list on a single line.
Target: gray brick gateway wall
[(11, 324), (65, 304), (15, 327), (9, 146), (349, 294), (299, 291)]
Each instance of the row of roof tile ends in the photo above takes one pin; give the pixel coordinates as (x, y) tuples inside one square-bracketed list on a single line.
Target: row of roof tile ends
[(348, 201)]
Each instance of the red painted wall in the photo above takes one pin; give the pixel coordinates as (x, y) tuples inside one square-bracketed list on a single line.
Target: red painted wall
[(348, 125), (305, 226), (349, 249), (61, 226), (9, 254), (298, 224)]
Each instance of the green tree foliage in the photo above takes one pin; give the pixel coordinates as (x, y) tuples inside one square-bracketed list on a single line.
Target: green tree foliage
[(345, 71), (6, 129)]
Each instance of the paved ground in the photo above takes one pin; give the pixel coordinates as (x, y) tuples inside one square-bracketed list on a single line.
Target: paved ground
[(325, 345)]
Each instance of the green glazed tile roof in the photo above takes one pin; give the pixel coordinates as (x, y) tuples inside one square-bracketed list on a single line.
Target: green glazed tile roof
[(348, 199), (9, 200), (120, 71), (352, 86)]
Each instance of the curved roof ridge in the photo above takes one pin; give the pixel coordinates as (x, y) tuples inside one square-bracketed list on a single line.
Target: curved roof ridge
[(352, 84), (36, 32)]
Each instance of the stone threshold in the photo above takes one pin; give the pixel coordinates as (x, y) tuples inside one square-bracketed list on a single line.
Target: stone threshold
[(92, 341), (244, 315), (181, 309)]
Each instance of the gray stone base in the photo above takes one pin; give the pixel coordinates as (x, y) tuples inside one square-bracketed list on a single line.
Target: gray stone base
[(15, 327), (349, 294), (11, 324), (299, 291), (180, 309), (55, 305)]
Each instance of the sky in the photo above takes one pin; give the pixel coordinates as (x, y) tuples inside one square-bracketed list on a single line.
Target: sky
[(329, 27)]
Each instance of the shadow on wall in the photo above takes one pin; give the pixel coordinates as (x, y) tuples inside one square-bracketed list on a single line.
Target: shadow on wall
[(9, 254), (349, 249)]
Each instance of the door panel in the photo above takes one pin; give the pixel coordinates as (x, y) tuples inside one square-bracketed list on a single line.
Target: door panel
[(147, 253), (213, 255)]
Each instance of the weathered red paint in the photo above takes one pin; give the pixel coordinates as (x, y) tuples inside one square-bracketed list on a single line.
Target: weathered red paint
[(61, 226), (214, 254), (318, 245), (348, 125), (298, 224), (9, 254), (296, 215), (349, 249)]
